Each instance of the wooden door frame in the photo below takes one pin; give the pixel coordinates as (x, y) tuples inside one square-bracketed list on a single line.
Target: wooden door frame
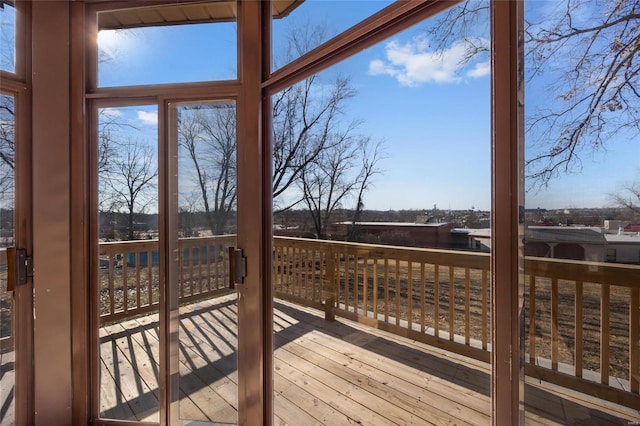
[(18, 85), (256, 84)]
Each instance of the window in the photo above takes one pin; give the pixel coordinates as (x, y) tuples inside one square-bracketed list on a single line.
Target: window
[(7, 37), (167, 44)]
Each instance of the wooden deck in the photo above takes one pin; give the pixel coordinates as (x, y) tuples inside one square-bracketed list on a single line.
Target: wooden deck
[(330, 373)]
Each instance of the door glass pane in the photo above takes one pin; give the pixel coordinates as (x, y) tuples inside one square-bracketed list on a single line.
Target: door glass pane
[(204, 227), (128, 283), (176, 43), (381, 235), (7, 37), (582, 240), (7, 199)]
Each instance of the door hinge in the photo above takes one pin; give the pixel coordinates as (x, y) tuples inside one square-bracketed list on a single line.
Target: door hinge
[(237, 266), (19, 267)]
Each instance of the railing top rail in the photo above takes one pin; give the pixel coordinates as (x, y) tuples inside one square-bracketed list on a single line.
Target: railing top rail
[(112, 247), (213, 237), (624, 275), (142, 245), (457, 258), (131, 242)]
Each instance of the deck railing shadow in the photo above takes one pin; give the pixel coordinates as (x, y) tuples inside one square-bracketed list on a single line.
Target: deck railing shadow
[(294, 323)]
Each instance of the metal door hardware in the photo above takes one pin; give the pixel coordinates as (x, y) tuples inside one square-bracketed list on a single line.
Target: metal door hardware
[(19, 267), (237, 266)]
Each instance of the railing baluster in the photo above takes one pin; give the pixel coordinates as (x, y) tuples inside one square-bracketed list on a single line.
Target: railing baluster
[(485, 310), (218, 253), (605, 331), (423, 301), (150, 283), (410, 295), (331, 279), (111, 283), (436, 300), (181, 268), (192, 255), (125, 284), (634, 340), (322, 258), (579, 327), (202, 257), (288, 269), (532, 319), (554, 324), (467, 307), (452, 302), (138, 254), (375, 288), (386, 289), (356, 280), (306, 273), (209, 259), (347, 280), (296, 272), (338, 278), (365, 286), (398, 291), (312, 268)]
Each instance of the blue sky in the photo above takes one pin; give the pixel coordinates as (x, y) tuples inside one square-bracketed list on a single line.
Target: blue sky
[(432, 114)]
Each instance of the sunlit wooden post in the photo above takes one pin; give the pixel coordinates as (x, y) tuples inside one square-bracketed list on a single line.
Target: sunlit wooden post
[(506, 217), (330, 285)]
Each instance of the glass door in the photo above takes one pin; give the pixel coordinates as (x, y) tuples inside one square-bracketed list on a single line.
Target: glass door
[(16, 287), (7, 204), (202, 295)]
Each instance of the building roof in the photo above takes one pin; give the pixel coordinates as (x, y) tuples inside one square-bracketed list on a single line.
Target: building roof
[(623, 239), (399, 224), (565, 234), (480, 233)]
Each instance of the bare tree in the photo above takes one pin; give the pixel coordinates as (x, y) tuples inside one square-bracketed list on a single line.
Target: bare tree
[(311, 141), (132, 180), (583, 53), (628, 199), (7, 146), (207, 134), (337, 175), (306, 117), (370, 156)]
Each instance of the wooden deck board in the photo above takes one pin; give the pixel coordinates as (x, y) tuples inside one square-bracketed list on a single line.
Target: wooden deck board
[(326, 373), (403, 373)]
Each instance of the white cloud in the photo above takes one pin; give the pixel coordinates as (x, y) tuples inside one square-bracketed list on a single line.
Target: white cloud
[(148, 117), (480, 70), (414, 63)]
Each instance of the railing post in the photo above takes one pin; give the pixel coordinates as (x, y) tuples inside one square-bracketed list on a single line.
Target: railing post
[(330, 276)]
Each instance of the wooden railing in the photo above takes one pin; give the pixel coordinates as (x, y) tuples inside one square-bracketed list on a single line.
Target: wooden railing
[(581, 319), (435, 296), (129, 274), (582, 322), (6, 307)]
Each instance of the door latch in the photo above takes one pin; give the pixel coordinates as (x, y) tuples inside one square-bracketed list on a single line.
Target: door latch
[(237, 266), (19, 267)]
